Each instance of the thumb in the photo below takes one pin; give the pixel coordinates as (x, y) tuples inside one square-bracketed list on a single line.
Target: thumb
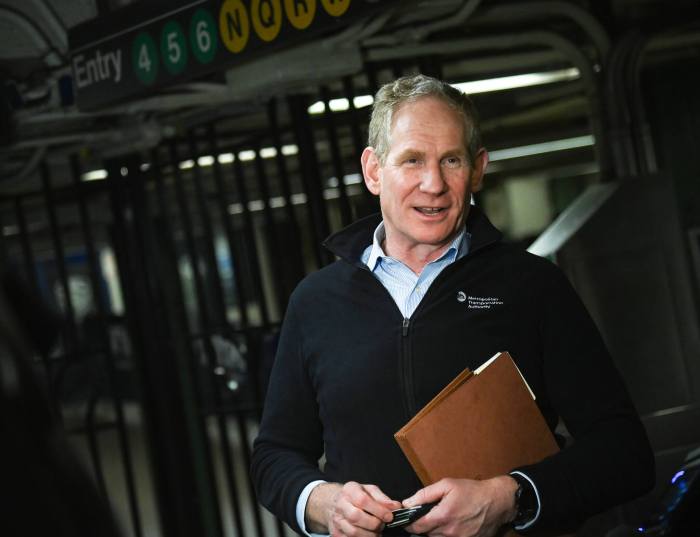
[(431, 493)]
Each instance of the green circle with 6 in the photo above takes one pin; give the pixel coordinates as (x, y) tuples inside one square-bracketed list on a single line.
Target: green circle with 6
[(204, 38)]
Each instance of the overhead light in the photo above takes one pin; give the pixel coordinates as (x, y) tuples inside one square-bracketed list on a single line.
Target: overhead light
[(145, 166), (186, 164), (225, 158), (363, 100), (290, 149), (517, 81), (544, 147), (268, 152), (470, 88), (246, 155), (206, 160), (94, 175)]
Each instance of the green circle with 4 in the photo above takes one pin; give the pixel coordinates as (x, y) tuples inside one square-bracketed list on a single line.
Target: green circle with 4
[(144, 58), (173, 47), (204, 38)]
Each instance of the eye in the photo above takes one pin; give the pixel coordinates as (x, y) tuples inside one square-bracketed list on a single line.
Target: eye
[(411, 161), (453, 162)]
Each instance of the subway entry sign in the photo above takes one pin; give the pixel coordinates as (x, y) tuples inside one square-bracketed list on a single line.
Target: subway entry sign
[(143, 48)]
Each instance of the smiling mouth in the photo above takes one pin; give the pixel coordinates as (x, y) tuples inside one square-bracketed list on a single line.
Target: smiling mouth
[(430, 211)]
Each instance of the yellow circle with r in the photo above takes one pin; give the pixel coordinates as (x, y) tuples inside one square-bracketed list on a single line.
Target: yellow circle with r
[(335, 8), (234, 25), (300, 12), (267, 18)]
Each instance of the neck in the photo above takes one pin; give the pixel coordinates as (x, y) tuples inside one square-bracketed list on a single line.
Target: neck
[(416, 257)]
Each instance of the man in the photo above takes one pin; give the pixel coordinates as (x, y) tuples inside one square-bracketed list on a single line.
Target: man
[(370, 339)]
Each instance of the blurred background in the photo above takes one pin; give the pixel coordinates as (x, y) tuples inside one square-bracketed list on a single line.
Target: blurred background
[(168, 171)]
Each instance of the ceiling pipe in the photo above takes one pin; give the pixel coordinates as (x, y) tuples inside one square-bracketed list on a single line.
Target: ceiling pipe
[(49, 53)]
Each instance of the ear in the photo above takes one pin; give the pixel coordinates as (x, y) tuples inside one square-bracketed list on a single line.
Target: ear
[(371, 170), (479, 170)]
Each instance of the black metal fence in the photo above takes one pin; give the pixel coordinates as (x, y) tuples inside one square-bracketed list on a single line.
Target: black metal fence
[(171, 273)]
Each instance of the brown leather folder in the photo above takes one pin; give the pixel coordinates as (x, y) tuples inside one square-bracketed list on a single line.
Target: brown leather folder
[(482, 424)]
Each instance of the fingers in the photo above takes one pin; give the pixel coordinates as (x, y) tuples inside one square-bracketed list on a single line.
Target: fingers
[(360, 510), (382, 498), (431, 493)]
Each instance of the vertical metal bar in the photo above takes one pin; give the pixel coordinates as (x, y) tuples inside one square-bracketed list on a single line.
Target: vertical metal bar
[(102, 312), (203, 314), (190, 243), (59, 255), (92, 444), (430, 66), (282, 172), (282, 167), (372, 80), (358, 142), (27, 254), (269, 218), (155, 315), (4, 256), (310, 174), (30, 265), (220, 418), (223, 199), (249, 234), (243, 434), (209, 252), (336, 159)]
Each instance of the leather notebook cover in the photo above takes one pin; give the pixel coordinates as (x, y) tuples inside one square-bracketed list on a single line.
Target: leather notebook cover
[(479, 426)]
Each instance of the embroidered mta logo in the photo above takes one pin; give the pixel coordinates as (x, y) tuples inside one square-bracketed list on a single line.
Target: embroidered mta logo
[(478, 302)]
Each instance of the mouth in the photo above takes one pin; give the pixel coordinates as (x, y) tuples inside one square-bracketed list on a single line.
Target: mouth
[(430, 211)]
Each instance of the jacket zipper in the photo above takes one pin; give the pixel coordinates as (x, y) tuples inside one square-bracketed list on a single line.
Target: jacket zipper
[(406, 366)]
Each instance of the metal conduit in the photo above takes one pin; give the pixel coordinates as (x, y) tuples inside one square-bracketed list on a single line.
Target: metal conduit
[(550, 40)]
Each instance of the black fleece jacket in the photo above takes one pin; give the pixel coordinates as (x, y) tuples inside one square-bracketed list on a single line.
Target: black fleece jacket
[(350, 371)]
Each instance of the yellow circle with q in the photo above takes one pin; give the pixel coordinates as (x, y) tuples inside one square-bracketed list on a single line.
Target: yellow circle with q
[(300, 12), (234, 25), (335, 8), (267, 18)]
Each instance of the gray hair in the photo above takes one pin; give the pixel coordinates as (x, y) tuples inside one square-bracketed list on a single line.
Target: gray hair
[(392, 96)]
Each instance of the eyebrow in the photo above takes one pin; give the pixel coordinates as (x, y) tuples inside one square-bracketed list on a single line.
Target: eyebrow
[(412, 153)]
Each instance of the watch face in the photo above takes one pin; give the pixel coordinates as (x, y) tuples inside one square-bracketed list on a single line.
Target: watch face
[(525, 500)]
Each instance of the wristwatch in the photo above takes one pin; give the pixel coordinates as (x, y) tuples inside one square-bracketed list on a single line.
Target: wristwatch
[(525, 501)]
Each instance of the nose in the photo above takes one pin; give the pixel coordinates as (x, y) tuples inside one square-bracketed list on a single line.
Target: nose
[(432, 180)]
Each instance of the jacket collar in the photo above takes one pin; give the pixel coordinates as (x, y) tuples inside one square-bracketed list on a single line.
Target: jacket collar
[(350, 242)]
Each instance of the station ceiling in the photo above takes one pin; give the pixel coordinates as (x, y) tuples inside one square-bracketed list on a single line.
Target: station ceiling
[(462, 40)]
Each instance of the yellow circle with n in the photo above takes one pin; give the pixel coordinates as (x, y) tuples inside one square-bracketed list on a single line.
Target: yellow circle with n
[(267, 18), (234, 25), (300, 12), (335, 8)]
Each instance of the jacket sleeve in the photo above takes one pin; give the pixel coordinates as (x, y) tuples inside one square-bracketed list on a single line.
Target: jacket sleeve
[(610, 460), (290, 442)]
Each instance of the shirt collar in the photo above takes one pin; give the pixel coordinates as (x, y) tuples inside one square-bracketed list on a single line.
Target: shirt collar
[(458, 248)]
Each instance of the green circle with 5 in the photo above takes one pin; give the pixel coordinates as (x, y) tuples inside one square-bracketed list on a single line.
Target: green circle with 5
[(144, 58), (203, 36), (173, 47)]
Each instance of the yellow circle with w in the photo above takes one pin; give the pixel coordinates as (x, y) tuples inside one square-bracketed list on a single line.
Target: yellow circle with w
[(300, 12), (335, 8), (234, 25), (267, 18)]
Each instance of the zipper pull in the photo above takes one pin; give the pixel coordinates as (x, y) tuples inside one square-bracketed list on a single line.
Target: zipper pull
[(404, 326)]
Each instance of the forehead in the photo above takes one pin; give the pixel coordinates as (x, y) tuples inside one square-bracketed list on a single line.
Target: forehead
[(427, 119)]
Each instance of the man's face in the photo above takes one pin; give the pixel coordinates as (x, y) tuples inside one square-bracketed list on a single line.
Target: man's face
[(425, 184)]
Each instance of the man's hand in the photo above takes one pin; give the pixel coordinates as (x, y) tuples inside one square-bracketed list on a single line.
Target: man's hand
[(467, 508), (351, 510)]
